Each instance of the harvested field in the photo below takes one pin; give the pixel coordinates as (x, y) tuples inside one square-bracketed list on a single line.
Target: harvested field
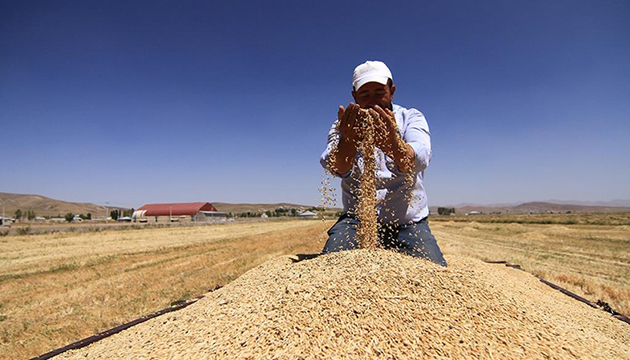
[(58, 288), (590, 258), (375, 304), (61, 287)]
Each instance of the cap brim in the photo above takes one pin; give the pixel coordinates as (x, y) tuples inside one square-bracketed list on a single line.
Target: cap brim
[(367, 79)]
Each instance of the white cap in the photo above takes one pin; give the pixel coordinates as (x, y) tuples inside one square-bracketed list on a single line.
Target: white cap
[(371, 71)]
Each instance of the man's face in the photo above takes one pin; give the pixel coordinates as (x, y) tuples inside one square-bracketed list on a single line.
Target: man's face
[(374, 93)]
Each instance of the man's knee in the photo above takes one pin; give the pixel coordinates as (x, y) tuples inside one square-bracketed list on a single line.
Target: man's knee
[(417, 240), (342, 236)]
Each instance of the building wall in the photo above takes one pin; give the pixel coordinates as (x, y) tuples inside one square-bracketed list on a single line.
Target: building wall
[(165, 219), (210, 217), (200, 217)]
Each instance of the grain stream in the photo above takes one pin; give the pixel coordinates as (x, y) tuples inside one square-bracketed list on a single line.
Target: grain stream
[(367, 231), (366, 208)]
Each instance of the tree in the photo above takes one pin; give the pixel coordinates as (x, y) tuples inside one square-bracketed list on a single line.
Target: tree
[(89, 216), (446, 211), (114, 214), (30, 214), (69, 216), (18, 214)]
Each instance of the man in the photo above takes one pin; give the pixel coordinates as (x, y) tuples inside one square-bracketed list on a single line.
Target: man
[(403, 142)]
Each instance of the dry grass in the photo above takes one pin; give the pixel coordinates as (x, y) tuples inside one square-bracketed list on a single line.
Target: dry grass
[(576, 218), (58, 288), (587, 254)]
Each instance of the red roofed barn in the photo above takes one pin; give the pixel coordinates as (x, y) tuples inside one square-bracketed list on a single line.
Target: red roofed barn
[(198, 211)]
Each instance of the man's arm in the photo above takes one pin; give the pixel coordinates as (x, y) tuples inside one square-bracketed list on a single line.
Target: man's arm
[(344, 155), (402, 153)]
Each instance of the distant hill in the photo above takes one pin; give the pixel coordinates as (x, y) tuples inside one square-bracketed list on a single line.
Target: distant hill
[(612, 203), (535, 207), (45, 206)]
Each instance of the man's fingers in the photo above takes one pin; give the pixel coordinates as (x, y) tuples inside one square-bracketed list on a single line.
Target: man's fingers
[(354, 110), (389, 120), (340, 113), (381, 112), (347, 121), (346, 117), (374, 114)]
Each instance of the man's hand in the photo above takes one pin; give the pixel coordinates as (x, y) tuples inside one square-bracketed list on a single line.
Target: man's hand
[(386, 138), (350, 135), (386, 130), (348, 119)]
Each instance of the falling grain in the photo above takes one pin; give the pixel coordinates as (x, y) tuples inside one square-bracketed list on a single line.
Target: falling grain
[(367, 231), (368, 161)]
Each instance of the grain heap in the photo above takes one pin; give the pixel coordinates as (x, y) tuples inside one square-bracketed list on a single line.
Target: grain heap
[(363, 304)]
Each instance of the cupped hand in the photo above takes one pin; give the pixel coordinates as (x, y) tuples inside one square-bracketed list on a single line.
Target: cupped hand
[(386, 130), (348, 122)]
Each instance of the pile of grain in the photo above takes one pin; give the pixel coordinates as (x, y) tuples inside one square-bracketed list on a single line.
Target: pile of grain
[(375, 304)]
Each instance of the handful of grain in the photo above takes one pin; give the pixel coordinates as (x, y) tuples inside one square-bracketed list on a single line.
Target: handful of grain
[(365, 192)]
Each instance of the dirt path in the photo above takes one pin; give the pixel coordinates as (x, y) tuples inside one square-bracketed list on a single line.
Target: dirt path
[(375, 304)]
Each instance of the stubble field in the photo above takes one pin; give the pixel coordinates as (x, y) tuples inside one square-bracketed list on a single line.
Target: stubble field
[(58, 288), (588, 254)]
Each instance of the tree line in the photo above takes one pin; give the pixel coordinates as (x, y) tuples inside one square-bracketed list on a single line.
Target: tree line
[(69, 217), (446, 211), (278, 212)]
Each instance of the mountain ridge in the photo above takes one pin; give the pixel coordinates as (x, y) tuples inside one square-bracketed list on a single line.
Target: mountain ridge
[(46, 206), (537, 207)]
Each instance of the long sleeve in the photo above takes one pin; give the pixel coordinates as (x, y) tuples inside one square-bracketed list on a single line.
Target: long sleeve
[(416, 133)]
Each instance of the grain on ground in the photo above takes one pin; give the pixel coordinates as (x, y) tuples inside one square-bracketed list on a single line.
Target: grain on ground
[(375, 304)]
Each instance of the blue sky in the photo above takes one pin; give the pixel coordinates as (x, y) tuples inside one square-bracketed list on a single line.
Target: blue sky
[(133, 102)]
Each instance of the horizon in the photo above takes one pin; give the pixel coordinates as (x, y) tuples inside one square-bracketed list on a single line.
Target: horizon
[(144, 102), (614, 203)]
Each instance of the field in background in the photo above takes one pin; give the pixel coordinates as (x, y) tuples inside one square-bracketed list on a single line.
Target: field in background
[(60, 287), (588, 254)]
